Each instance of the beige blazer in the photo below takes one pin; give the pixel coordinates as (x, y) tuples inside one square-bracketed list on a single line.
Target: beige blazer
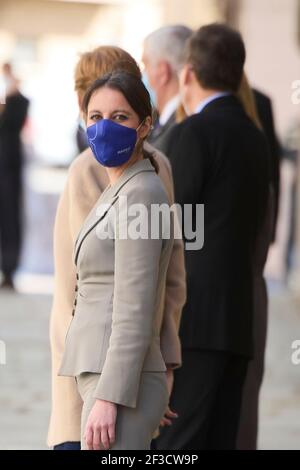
[(121, 278), (85, 183)]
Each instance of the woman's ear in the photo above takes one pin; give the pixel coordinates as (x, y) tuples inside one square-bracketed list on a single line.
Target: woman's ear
[(145, 128)]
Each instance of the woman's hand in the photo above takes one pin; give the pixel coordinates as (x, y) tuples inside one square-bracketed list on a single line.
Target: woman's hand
[(169, 414), (100, 426)]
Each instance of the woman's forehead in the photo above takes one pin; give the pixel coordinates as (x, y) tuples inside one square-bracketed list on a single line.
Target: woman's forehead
[(108, 98)]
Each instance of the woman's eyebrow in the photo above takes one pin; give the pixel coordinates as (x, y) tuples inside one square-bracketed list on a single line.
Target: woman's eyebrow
[(112, 112), (121, 111)]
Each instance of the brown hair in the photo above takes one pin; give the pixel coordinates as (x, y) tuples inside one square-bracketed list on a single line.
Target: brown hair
[(99, 62), (217, 54), (135, 92)]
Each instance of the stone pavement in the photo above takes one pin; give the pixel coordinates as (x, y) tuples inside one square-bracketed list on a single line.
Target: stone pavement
[(25, 379), (280, 397)]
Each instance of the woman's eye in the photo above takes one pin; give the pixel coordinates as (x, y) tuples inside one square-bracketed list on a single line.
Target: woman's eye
[(120, 117), (95, 117)]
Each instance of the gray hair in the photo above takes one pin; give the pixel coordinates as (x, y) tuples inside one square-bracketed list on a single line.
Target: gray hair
[(168, 43)]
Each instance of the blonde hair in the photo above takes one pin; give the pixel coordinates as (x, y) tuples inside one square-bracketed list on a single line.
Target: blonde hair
[(246, 97), (99, 62), (180, 113)]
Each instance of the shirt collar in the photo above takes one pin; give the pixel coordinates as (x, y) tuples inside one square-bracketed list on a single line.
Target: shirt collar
[(209, 99), (169, 109)]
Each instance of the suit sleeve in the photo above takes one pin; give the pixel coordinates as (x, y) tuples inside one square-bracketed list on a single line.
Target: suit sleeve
[(187, 154), (136, 277)]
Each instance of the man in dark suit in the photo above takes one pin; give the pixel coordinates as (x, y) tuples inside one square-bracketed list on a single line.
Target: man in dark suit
[(163, 57), (219, 159), (12, 118)]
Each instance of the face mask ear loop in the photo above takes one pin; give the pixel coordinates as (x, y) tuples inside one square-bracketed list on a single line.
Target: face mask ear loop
[(143, 121)]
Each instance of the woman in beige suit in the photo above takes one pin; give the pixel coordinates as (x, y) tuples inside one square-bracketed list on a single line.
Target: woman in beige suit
[(85, 182), (113, 342)]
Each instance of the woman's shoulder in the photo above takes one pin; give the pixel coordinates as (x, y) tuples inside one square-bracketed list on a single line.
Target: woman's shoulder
[(146, 187), (83, 162), (84, 169)]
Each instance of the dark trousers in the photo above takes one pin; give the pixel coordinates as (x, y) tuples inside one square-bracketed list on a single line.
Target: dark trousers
[(248, 429), (207, 396), (67, 446), (10, 219)]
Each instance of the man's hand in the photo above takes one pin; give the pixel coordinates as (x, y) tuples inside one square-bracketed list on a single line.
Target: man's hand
[(101, 424), (169, 414)]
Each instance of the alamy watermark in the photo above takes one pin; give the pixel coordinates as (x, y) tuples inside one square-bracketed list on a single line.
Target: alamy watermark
[(295, 357), (2, 353), (295, 96), (154, 221)]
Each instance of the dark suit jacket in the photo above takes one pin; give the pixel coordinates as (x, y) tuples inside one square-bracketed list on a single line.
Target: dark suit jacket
[(160, 135), (220, 159), (265, 113), (12, 120)]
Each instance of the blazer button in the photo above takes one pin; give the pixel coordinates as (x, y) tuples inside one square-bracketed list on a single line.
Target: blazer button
[(73, 311), (77, 277), (76, 288), (75, 302)]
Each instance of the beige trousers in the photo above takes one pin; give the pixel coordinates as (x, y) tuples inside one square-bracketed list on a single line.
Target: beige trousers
[(134, 426)]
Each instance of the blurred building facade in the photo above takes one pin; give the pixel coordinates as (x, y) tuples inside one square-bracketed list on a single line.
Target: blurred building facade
[(43, 39)]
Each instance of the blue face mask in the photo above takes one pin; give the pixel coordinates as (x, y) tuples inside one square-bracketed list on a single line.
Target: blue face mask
[(150, 89), (112, 144)]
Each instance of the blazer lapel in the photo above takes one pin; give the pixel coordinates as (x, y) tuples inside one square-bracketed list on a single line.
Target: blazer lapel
[(99, 211), (107, 199)]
